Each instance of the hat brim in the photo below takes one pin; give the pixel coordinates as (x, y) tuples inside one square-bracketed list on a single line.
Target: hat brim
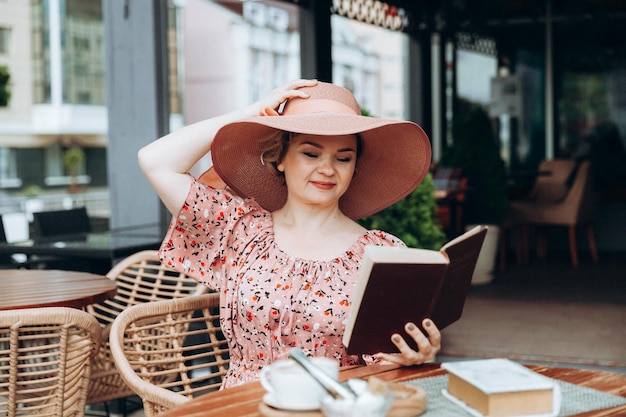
[(395, 158)]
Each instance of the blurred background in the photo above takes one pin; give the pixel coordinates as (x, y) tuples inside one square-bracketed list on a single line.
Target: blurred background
[(85, 83)]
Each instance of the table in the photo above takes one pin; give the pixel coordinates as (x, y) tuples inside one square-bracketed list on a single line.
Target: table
[(29, 288), (102, 249), (244, 400), (450, 206)]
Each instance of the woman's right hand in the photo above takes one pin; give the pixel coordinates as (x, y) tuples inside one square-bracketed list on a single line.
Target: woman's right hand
[(268, 105)]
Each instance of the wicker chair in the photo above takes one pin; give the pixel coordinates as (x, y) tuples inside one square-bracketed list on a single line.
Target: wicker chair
[(45, 356), (170, 351), (141, 278)]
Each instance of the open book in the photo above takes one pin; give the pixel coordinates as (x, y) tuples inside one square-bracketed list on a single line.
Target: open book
[(398, 285)]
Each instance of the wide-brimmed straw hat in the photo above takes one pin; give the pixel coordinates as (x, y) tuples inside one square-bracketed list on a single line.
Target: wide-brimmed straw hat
[(395, 155)]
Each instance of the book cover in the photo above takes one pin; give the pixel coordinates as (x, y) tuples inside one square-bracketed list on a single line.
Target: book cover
[(398, 285)]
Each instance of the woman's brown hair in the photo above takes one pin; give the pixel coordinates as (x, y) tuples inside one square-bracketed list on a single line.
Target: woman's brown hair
[(274, 149)]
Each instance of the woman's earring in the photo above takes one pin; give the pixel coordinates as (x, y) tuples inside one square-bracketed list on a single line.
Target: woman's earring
[(280, 167)]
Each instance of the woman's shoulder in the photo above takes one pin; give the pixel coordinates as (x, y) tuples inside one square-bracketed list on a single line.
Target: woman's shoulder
[(382, 238), (203, 193), (219, 211)]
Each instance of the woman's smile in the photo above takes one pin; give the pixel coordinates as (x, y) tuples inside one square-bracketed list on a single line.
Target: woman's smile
[(323, 185)]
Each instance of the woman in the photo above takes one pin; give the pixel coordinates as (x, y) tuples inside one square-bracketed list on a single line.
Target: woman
[(285, 257)]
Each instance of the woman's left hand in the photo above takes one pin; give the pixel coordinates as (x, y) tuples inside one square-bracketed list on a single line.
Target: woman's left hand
[(428, 345), (268, 105)]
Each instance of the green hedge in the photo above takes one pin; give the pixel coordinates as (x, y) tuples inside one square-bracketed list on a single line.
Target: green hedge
[(412, 219)]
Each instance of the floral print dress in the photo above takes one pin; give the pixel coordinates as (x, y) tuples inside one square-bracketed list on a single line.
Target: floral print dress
[(270, 302)]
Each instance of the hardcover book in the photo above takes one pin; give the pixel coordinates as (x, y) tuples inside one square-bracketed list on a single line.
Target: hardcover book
[(399, 285), (500, 388)]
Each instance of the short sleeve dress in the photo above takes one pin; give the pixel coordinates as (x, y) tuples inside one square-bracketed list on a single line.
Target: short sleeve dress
[(270, 302)]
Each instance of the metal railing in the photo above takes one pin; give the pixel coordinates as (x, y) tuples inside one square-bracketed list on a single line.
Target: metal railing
[(96, 202)]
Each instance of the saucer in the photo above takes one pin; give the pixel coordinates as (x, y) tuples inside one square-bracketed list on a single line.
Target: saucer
[(270, 400)]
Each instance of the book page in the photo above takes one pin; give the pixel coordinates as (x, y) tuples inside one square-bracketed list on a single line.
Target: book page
[(395, 254), (473, 231)]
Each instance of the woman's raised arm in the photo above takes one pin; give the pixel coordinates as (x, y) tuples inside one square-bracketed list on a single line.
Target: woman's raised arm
[(166, 161)]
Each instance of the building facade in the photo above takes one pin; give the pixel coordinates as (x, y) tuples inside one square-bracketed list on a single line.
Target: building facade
[(223, 55), (54, 52), (55, 59)]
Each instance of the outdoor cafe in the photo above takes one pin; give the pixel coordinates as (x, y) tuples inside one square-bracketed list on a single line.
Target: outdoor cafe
[(123, 326)]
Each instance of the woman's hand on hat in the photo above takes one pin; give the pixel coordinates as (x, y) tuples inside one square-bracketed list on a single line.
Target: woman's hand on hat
[(428, 345), (269, 105)]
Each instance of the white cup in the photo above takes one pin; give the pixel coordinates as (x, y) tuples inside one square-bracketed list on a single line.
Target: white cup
[(291, 387)]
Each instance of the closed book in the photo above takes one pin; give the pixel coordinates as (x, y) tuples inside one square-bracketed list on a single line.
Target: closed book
[(399, 285), (500, 388)]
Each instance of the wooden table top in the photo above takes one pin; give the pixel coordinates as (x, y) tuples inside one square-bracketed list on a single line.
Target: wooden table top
[(29, 288), (244, 400)]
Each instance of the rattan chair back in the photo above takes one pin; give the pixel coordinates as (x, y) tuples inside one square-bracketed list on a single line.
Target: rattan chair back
[(140, 278), (170, 351), (45, 356)]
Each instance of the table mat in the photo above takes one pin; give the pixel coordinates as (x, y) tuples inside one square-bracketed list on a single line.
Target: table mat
[(575, 399)]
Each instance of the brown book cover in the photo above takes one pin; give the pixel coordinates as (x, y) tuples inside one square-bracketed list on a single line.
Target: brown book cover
[(398, 285)]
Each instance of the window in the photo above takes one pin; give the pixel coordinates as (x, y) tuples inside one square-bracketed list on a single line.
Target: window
[(40, 52), (175, 57), (273, 46), (371, 62), (57, 171), (591, 123), (5, 37), (8, 169), (83, 56), (82, 61)]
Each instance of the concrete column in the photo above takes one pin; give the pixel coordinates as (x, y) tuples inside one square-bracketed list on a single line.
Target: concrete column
[(316, 40), (419, 81), (137, 102)]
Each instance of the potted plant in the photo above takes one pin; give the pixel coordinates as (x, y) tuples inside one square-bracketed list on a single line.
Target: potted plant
[(475, 149), (72, 159), (412, 219)]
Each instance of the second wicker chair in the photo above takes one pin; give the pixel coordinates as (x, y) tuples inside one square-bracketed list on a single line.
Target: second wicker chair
[(140, 278), (171, 350)]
